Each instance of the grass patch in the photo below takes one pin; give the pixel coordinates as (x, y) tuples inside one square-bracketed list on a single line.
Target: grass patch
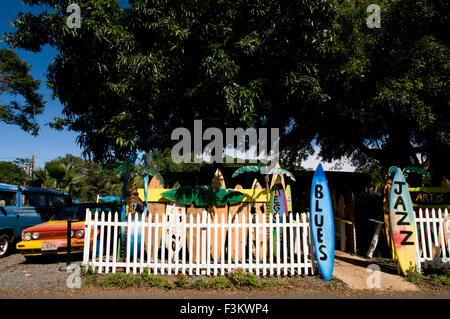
[(431, 279), (152, 280), (90, 276), (220, 282), (240, 277), (199, 284), (272, 283), (181, 281), (120, 280)]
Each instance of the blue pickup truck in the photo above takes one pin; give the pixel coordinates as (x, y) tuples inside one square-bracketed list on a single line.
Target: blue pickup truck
[(22, 207)]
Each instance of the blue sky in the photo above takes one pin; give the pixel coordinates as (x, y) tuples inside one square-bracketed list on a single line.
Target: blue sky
[(50, 143)]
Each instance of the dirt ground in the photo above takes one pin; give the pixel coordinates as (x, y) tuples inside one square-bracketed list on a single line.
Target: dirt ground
[(23, 280)]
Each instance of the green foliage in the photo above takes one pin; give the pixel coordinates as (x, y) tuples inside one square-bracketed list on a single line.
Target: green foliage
[(11, 173), (15, 80), (219, 282), (120, 280), (82, 179), (377, 176), (199, 284), (181, 281), (203, 196), (160, 64), (428, 278), (312, 68), (388, 87), (151, 280), (240, 277), (90, 276)]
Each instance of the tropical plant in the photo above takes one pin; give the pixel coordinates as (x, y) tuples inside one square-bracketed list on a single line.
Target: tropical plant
[(203, 196)]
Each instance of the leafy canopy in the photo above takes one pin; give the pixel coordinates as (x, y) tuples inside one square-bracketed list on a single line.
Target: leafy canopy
[(15, 80), (128, 77)]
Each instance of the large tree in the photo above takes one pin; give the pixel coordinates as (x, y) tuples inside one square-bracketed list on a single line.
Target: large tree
[(128, 77), (12, 173), (80, 178), (389, 87), (15, 80)]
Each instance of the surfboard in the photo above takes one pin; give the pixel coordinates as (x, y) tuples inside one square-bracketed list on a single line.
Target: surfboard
[(289, 198), (237, 212), (218, 213), (131, 236), (278, 207), (350, 216), (387, 228), (174, 233), (258, 209), (152, 209), (193, 214), (322, 223), (402, 223)]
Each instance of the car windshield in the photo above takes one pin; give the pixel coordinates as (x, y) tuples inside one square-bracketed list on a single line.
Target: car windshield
[(77, 212)]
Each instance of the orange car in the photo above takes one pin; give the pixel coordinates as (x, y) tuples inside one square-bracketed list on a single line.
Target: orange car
[(50, 238)]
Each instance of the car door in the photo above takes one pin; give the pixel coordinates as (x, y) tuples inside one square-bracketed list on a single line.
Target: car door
[(9, 210), (33, 205)]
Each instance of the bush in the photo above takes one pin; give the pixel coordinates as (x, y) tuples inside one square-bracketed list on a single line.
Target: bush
[(152, 280), (120, 280), (220, 283), (89, 274), (240, 277), (199, 284), (434, 280), (168, 284), (181, 281), (440, 280)]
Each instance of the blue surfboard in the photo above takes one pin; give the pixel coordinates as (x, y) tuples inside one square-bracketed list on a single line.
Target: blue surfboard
[(322, 224)]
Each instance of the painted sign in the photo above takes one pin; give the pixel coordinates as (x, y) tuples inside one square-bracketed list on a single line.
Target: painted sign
[(322, 224), (278, 207), (433, 197), (402, 223)]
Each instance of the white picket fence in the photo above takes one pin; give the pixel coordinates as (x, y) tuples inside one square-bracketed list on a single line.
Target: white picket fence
[(256, 254), (433, 237), (192, 253)]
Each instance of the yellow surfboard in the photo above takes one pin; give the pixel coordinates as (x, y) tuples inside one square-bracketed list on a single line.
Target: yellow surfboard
[(402, 224)]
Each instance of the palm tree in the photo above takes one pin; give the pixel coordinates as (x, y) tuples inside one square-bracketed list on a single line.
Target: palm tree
[(262, 168)]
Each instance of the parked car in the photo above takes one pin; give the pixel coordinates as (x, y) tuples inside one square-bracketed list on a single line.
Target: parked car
[(24, 206), (50, 238)]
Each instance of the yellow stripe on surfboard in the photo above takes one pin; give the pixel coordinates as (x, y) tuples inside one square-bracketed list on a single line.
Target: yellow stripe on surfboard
[(250, 195)]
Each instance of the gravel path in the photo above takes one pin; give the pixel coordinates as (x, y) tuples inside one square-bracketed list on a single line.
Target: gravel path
[(17, 274)]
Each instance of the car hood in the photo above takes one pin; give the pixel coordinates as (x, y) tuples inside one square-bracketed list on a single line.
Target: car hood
[(54, 225)]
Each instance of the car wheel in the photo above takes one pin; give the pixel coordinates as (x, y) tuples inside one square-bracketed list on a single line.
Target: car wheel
[(4, 245)]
